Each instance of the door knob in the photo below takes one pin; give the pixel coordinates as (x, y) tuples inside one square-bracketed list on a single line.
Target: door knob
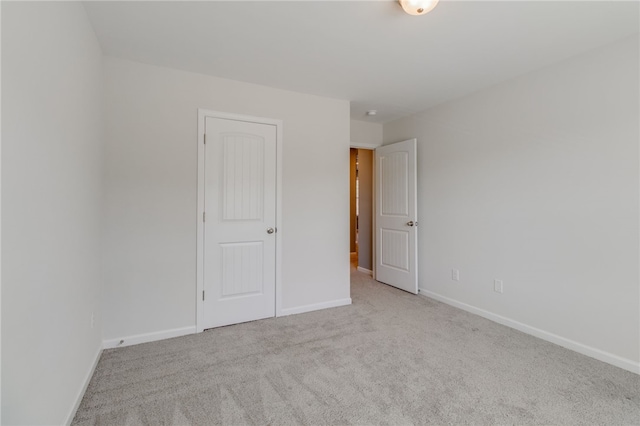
[(270, 231), (410, 223)]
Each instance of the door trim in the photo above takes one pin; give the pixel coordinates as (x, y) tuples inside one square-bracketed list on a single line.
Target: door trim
[(202, 115), (369, 146)]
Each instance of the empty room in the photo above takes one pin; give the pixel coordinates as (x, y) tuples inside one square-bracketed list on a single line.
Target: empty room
[(320, 212)]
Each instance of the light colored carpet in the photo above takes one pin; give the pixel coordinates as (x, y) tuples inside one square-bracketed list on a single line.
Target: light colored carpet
[(390, 358)]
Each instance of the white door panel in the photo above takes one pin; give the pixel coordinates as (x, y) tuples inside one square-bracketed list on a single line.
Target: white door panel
[(240, 208), (396, 216)]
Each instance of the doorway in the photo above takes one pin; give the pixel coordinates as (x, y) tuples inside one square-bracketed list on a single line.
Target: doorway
[(361, 210)]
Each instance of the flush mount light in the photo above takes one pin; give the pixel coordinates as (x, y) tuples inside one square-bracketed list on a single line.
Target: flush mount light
[(418, 7), (372, 112)]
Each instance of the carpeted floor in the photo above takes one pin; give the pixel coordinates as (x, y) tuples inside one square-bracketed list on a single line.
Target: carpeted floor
[(390, 358)]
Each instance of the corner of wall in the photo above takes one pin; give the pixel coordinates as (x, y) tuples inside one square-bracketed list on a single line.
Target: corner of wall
[(84, 386)]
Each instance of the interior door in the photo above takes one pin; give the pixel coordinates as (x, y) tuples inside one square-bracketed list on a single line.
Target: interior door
[(239, 223), (396, 216)]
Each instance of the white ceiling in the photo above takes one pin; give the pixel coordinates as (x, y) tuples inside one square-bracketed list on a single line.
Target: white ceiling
[(368, 52)]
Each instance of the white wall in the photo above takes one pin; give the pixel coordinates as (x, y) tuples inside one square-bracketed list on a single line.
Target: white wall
[(535, 182), (151, 113), (51, 217), (365, 134)]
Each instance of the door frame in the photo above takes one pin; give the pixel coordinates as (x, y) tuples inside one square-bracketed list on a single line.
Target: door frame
[(202, 115), (371, 147)]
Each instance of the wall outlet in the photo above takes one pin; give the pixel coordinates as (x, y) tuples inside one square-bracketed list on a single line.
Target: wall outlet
[(497, 286), (93, 319), (455, 275)]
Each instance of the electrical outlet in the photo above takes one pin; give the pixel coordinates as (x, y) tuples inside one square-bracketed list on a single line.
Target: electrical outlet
[(497, 286), (93, 319), (455, 275)]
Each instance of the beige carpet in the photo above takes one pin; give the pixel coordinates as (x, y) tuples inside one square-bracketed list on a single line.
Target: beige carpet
[(390, 358)]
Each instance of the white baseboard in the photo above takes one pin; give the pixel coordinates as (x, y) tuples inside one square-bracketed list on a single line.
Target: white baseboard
[(148, 337), (84, 386), (366, 271), (314, 307), (598, 354)]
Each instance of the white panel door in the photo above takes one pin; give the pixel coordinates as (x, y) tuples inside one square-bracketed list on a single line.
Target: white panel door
[(396, 216), (239, 226)]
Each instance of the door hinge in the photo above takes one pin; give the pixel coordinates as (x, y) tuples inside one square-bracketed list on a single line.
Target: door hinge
[(205, 138), (203, 295), (203, 216)]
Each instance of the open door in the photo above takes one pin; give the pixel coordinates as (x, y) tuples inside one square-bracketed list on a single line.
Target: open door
[(396, 216)]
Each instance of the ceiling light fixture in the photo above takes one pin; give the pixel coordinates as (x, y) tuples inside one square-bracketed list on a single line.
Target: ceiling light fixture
[(372, 112), (418, 7)]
